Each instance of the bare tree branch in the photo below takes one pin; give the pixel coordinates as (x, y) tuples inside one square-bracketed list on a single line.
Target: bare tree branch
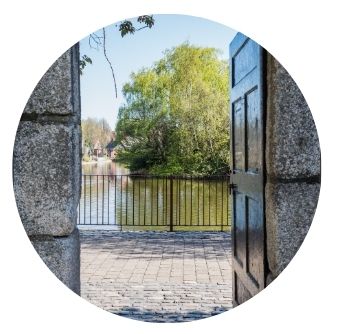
[(108, 61), (142, 28), (96, 39)]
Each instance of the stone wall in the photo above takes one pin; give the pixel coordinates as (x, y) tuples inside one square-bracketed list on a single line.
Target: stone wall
[(47, 168), (292, 168)]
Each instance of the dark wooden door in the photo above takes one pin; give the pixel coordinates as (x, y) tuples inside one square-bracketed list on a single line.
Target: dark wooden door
[(247, 152)]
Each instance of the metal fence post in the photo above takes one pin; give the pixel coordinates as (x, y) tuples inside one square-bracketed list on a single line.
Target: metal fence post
[(171, 204)]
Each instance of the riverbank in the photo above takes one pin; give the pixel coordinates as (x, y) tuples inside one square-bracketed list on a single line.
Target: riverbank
[(104, 167), (92, 162)]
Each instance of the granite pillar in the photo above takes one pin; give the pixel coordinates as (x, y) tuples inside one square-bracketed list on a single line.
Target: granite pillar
[(47, 168), (293, 168)]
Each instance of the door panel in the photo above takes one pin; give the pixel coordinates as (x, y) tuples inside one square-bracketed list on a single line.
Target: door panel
[(243, 62), (254, 256), (239, 230), (253, 132), (247, 150), (242, 294), (239, 133)]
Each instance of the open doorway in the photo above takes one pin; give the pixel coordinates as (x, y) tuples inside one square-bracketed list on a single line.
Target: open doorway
[(190, 233), (156, 194)]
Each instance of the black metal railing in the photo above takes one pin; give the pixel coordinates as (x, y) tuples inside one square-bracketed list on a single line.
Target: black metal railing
[(147, 202)]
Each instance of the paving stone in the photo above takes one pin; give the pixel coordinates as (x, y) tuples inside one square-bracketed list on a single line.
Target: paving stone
[(159, 297)]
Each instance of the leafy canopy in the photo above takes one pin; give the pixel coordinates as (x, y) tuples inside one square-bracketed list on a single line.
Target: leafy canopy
[(175, 119)]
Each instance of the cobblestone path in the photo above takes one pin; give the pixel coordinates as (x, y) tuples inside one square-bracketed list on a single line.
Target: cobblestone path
[(157, 276)]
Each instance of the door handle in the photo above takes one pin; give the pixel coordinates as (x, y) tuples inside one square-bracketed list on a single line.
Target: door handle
[(232, 186)]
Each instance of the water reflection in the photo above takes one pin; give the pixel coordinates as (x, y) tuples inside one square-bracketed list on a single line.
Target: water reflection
[(106, 167)]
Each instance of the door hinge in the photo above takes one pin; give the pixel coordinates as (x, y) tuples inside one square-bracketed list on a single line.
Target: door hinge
[(232, 186)]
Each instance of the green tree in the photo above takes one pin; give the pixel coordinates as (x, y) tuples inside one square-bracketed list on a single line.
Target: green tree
[(175, 120), (95, 131)]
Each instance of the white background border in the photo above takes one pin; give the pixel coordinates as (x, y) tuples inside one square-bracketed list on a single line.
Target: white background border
[(304, 36)]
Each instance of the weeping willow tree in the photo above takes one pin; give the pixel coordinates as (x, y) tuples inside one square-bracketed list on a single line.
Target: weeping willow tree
[(175, 119)]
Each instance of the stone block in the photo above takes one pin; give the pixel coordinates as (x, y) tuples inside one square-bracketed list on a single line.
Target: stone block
[(57, 93), (292, 145), (62, 257), (290, 208), (46, 177)]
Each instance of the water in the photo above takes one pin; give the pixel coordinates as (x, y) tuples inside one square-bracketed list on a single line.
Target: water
[(105, 167), (113, 198)]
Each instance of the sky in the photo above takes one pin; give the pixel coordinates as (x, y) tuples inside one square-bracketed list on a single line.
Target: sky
[(133, 52)]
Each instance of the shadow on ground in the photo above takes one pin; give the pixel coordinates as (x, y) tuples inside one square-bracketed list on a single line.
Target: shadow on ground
[(139, 245), (155, 316)]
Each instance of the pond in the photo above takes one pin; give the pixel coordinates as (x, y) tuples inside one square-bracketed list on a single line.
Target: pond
[(113, 198)]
